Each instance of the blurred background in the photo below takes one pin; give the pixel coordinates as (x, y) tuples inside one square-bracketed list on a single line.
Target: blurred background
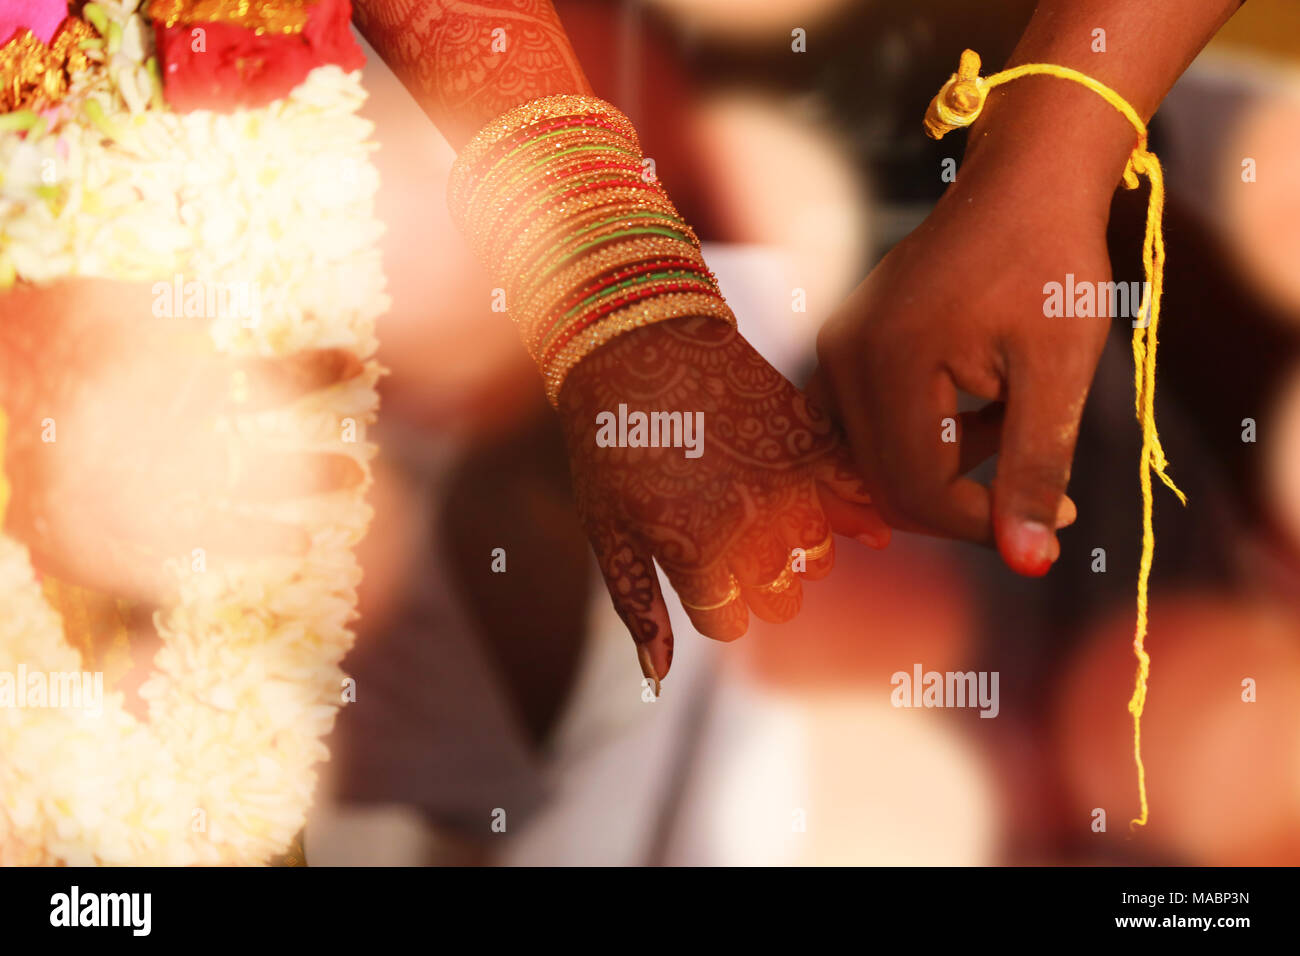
[(500, 717)]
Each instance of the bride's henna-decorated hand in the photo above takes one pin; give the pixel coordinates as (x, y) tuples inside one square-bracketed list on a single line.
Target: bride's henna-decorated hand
[(772, 476), (114, 452), (724, 526)]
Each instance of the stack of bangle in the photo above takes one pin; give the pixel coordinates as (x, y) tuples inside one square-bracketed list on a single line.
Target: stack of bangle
[(554, 198)]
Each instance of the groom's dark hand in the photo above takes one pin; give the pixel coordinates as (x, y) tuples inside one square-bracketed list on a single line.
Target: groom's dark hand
[(958, 306)]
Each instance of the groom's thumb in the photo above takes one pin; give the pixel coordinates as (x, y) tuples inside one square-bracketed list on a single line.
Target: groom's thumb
[(1044, 404)]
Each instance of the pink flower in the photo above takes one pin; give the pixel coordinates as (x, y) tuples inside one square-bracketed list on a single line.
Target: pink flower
[(42, 17)]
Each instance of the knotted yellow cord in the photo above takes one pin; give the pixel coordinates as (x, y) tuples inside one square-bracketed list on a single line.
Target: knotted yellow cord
[(958, 104)]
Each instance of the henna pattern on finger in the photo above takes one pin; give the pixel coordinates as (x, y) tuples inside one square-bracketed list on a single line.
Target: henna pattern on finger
[(808, 528), (631, 580)]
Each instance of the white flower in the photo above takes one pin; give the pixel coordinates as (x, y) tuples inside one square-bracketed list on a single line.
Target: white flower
[(245, 685)]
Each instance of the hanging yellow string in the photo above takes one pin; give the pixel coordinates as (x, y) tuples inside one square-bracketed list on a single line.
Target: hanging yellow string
[(958, 104)]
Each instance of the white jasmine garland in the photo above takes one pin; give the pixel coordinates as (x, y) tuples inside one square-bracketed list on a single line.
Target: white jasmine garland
[(248, 680)]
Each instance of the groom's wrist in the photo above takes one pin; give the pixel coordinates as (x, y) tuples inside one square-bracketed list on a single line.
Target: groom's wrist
[(1044, 144)]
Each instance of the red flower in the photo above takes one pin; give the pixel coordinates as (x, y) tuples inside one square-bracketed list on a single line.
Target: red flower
[(227, 65)]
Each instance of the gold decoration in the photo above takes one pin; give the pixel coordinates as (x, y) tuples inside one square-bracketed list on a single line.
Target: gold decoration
[(780, 584), (733, 592), (284, 16), (33, 75)]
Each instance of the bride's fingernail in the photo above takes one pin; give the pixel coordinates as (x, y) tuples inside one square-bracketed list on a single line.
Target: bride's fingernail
[(648, 666)]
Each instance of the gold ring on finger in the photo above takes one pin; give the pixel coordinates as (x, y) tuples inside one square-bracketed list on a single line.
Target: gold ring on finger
[(733, 592), (821, 550), (780, 584)]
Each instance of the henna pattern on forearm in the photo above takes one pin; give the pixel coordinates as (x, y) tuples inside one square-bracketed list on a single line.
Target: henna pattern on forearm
[(443, 52)]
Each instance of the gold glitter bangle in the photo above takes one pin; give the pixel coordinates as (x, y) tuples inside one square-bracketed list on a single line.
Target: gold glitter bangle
[(565, 327), (636, 248), (573, 196), (542, 327), (547, 195), (504, 183), (573, 246), (552, 198), (530, 114), (544, 229), (487, 216), (533, 319), (612, 219), (545, 148), (589, 268), (534, 266), (635, 316)]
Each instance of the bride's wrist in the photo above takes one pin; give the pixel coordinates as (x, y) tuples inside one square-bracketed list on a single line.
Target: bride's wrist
[(609, 369)]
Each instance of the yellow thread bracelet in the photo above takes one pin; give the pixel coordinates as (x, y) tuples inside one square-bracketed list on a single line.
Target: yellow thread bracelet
[(958, 104)]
